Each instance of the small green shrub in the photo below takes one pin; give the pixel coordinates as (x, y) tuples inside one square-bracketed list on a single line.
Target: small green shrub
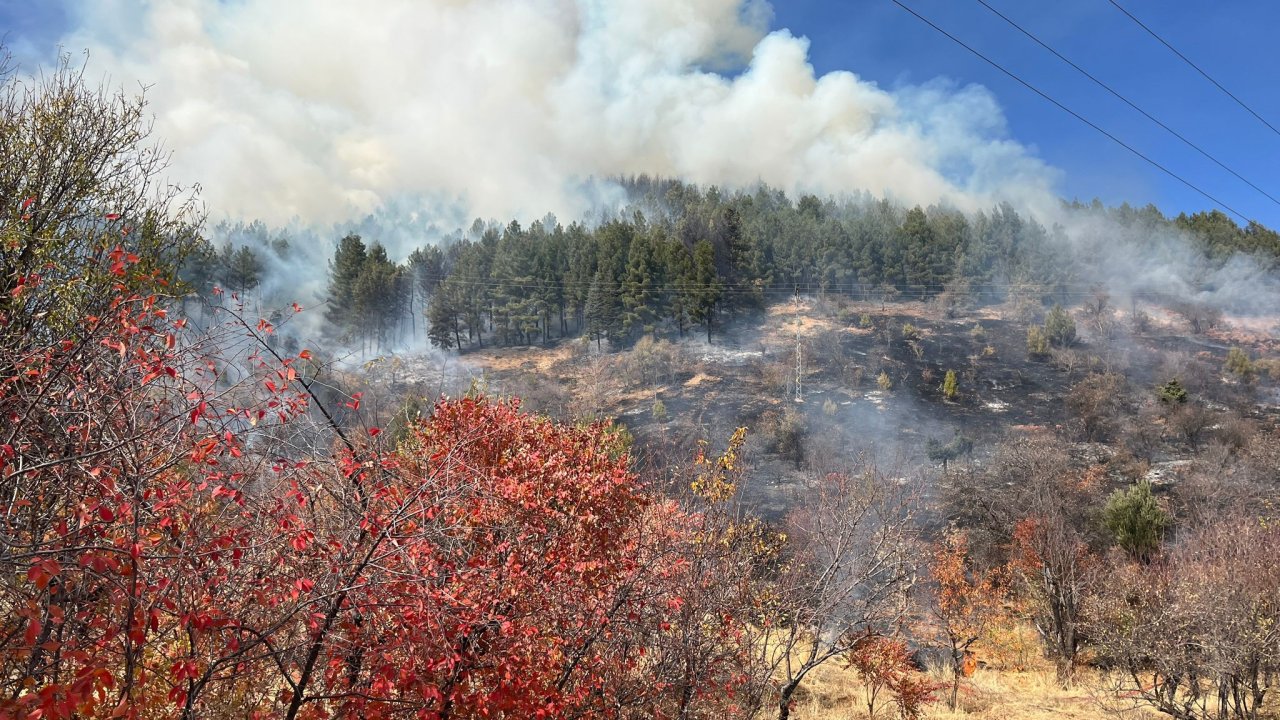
[(884, 382), (1059, 328), (659, 410), (1172, 393), (959, 445), (950, 388), (1136, 520)]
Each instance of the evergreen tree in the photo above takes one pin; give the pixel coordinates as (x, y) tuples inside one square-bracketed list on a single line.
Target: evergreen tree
[(424, 272), (679, 261), (444, 315), (344, 270), (641, 296), (603, 309), (376, 296), (706, 287), (1136, 520)]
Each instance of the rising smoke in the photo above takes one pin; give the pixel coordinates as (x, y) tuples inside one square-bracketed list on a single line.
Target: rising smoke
[(287, 109)]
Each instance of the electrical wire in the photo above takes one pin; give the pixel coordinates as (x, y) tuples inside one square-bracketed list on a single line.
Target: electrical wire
[(1128, 102), (1198, 69), (1073, 113)]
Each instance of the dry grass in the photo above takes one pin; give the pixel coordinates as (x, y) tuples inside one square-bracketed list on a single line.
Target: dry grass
[(529, 359), (834, 693), (988, 695)]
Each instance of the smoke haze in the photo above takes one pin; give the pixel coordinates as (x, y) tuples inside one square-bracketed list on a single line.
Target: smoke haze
[(323, 111)]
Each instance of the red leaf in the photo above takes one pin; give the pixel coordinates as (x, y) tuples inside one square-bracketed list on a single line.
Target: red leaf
[(27, 203), (113, 216)]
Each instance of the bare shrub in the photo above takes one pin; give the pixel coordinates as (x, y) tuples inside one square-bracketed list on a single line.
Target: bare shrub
[(1097, 403), (1198, 317), (785, 434), (1223, 481), (848, 573), (652, 362), (1191, 422), (1198, 636)]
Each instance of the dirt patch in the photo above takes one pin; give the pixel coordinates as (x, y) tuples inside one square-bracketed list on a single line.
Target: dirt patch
[(701, 378)]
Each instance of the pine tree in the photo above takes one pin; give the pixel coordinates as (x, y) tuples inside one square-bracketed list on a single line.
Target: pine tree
[(424, 272), (641, 287), (706, 287), (377, 295), (603, 309), (444, 316), (679, 261), (344, 270)]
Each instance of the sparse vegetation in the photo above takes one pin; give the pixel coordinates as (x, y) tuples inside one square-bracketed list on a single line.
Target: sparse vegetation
[(1239, 364), (1037, 342)]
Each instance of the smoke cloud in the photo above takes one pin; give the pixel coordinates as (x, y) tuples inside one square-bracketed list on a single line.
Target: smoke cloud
[(287, 109)]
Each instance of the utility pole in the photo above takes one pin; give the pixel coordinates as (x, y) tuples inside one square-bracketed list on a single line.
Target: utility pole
[(799, 369)]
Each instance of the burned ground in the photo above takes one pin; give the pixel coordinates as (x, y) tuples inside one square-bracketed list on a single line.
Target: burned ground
[(670, 393)]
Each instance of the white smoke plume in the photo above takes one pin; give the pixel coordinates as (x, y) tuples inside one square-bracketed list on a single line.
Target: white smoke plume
[(325, 110)]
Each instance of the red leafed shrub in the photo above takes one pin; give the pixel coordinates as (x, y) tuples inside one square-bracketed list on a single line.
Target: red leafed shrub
[(167, 554), (885, 664)]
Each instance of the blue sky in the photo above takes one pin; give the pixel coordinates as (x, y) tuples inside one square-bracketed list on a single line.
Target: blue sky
[(882, 43), (1232, 40)]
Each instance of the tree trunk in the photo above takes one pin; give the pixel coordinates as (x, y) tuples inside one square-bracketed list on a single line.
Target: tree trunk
[(784, 699)]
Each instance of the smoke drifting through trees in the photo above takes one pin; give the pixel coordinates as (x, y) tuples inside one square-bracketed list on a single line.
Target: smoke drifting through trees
[(678, 256)]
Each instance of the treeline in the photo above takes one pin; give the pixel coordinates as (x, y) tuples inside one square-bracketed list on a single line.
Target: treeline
[(679, 257)]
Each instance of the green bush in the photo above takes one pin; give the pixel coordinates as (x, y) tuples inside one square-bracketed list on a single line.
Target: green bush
[(1059, 328), (959, 445), (1136, 520), (1172, 393), (659, 410), (950, 388)]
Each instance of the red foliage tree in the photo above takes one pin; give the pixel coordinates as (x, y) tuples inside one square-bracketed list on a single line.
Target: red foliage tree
[(166, 554), (964, 604)]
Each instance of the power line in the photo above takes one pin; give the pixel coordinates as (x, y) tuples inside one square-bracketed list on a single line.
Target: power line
[(1128, 102), (1197, 67), (1073, 113)]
